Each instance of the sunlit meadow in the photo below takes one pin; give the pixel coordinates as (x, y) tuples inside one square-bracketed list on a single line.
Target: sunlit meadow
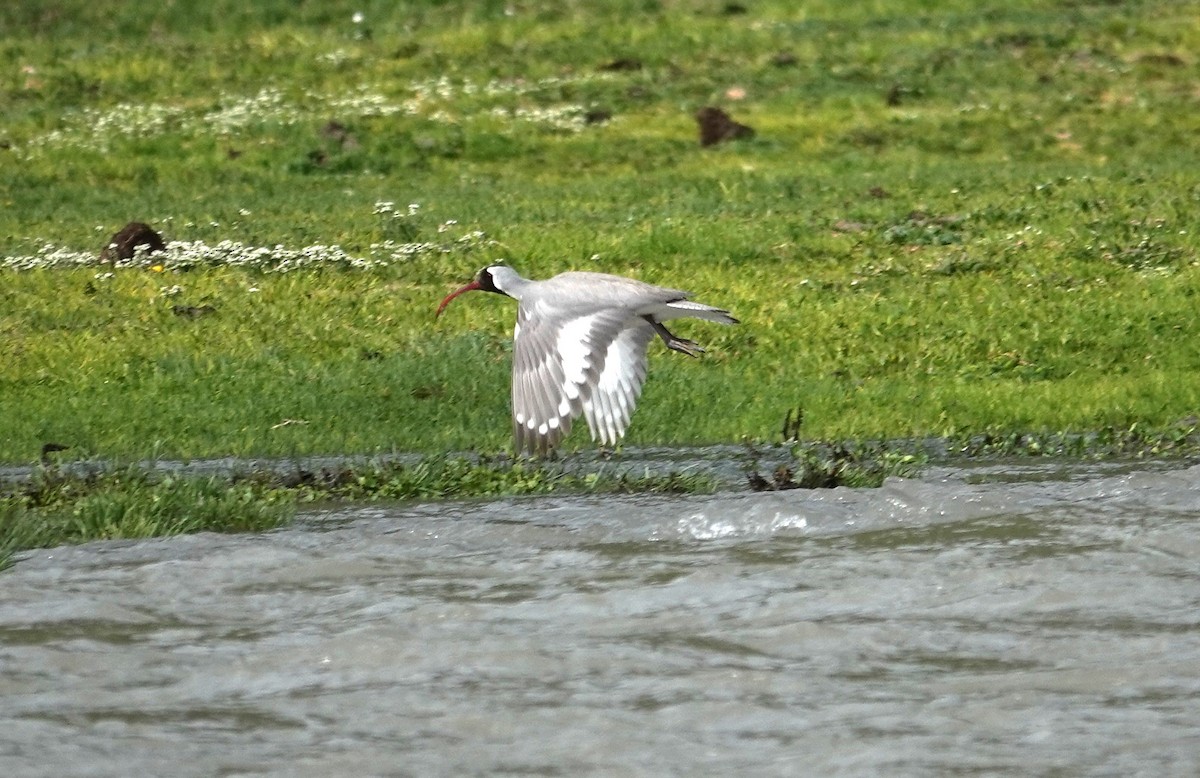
[(953, 218)]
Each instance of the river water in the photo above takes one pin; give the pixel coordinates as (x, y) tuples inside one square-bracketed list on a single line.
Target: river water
[(1031, 620)]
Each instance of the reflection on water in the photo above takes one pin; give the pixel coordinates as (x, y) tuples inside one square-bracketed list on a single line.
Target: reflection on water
[(995, 620)]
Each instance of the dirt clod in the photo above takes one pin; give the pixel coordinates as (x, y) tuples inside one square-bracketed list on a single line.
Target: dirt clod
[(125, 243), (717, 126)]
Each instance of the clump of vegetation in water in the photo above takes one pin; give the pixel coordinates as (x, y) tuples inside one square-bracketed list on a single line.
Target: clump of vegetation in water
[(55, 507), (1135, 441), (433, 478), (824, 466)]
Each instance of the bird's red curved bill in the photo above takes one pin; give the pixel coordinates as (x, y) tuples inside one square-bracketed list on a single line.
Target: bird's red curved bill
[(468, 288)]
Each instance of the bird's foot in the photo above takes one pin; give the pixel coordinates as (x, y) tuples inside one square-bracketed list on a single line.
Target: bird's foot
[(684, 346)]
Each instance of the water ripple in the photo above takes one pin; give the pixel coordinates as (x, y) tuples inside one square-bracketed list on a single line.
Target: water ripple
[(997, 620)]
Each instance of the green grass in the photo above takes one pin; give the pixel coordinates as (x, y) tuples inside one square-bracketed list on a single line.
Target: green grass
[(1009, 246)]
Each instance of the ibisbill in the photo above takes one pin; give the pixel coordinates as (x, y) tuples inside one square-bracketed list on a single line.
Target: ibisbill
[(579, 348)]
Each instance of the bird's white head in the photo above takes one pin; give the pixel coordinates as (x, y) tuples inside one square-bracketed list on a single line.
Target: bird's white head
[(494, 278), (500, 278)]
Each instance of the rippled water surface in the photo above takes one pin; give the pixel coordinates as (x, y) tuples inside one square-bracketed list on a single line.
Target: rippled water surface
[(1043, 620)]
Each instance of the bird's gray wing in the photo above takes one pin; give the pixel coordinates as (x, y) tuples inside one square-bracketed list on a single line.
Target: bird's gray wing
[(620, 384), (558, 362)]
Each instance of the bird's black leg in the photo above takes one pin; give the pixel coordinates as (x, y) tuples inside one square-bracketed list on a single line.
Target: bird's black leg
[(682, 345)]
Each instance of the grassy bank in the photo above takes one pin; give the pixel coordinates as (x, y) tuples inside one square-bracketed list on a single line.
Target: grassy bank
[(953, 219), (56, 505), (74, 503)]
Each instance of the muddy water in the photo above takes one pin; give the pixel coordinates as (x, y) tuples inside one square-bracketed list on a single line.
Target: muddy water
[(1043, 620)]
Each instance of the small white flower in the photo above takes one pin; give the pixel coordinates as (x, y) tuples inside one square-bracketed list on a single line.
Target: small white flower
[(358, 17)]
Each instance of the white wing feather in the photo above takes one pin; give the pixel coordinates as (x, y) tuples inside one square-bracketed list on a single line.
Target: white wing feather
[(557, 368), (620, 384)]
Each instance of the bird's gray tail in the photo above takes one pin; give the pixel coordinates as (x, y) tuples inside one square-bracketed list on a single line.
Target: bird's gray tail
[(702, 311)]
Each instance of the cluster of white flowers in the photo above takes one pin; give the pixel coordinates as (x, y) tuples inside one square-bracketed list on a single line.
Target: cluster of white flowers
[(387, 250), (96, 129), (363, 101), (182, 255), (50, 256), (236, 113), (435, 99), (335, 57), (388, 208), (569, 117), (434, 89), (445, 89), (438, 99), (185, 255), (135, 119)]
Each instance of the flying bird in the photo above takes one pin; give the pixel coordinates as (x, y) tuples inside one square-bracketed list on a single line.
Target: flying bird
[(579, 348)]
